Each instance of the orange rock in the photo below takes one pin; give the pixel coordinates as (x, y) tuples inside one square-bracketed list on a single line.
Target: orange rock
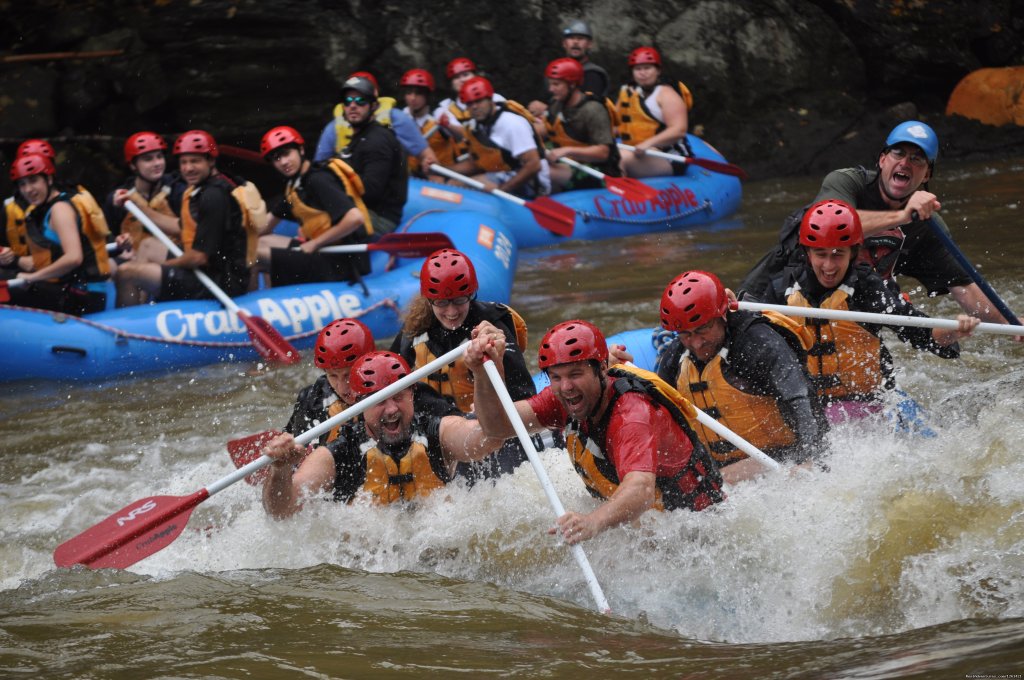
[(994, 96)]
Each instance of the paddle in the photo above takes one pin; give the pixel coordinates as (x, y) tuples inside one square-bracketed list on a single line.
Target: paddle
[(147, 526), (959, 256), (881, 319), (399, 245), (626, 187), (545, 481), (706, 163), (5, 293), (265, 338), (557, 218)]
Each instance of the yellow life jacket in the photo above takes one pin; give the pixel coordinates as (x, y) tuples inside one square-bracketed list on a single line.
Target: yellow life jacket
[(410, 477), (754, 417), (845, 361), (252, 207), (335, 407), (343, 129), (92, 229), (633, 120), (158, 202), (17, 239), (314, 222), (696, 486), (489, 156), (455, 380)]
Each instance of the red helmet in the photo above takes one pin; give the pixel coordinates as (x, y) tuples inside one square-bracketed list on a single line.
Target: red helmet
[(374, 371), (280, 136), (458, 65), (831, 224), (142, 142), (567, 69), (476, 88), (196, 141), (32, 164), (341, 342), (571, 341), (39, 147), (369, 76), (417, 77), (644, 55), (447, 274), (691, 300)]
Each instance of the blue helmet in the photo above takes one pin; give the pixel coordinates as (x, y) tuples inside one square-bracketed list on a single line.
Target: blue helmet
[(917, 133)]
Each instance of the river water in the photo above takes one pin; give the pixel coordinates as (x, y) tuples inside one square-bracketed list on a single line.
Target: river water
[(905, 559)]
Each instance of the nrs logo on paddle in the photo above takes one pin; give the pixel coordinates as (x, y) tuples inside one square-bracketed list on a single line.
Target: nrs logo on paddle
[(670, 201), (295, 314)]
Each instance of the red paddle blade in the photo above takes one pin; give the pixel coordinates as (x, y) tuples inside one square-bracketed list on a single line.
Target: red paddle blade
[(247, 449), (718, 166), (555, 217), (268, 342), (132, 533), (412, 245), (5, 292), (630, 189)]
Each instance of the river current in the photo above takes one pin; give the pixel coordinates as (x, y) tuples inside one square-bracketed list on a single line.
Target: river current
[(904, 559)]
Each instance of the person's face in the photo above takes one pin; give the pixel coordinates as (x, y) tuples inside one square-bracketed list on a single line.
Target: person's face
[(576, 46), (287, 161), (35, 188), (459, 79), (338, 380), (902, 171), (577, 387), (390, 421), (416, 98), (559, 89), (195, 167), (705, 341), (830, 264), (150, 166), (358, 107), (645, 75), (451, 314), (480, 109)]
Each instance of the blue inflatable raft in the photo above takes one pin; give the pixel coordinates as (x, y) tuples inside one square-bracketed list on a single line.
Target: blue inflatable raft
[(176, 335)]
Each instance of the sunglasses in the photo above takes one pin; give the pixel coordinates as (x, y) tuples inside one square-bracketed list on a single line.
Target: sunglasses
[(458, 302), (361, 101)]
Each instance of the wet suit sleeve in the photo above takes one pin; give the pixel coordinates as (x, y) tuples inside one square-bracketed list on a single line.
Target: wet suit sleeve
[(668, 362), (926, 259), (214, 215), (281, 208), (376, 164), (777, 372), (874, 296)]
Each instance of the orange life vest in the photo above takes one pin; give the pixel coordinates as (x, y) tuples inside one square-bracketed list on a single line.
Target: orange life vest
[(845, 361), (489, 156), (252, 207), (158, 202), (17, 239), (633, 119), (410, 477), (313, 221)]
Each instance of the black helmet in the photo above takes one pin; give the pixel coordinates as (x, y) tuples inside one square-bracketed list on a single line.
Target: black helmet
[(361, 85)]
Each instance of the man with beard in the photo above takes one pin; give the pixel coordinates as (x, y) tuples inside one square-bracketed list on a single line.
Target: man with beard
[(625, 428), (325, 200), (392, 453)]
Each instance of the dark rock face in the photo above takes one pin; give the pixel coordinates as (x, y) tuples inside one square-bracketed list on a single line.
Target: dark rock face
[(780, 86)]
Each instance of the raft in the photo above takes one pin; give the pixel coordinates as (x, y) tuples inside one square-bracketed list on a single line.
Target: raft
[(698, 197), (171, 336)]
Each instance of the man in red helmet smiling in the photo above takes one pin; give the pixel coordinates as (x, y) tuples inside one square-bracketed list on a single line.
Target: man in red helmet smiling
[(625, 428), (395, 452)]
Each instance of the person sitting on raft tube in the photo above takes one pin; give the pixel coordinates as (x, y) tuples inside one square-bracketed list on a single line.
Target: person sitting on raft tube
[(576, 126), (452, 113), (326, 200), (393, 452), (625, 428), (506, 152), (417, 91), (219, 229), (441, 318), (67, 249), (13, 239), (338, 345), (650, 114), (744, 369), (848, 361), (157, 193)]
